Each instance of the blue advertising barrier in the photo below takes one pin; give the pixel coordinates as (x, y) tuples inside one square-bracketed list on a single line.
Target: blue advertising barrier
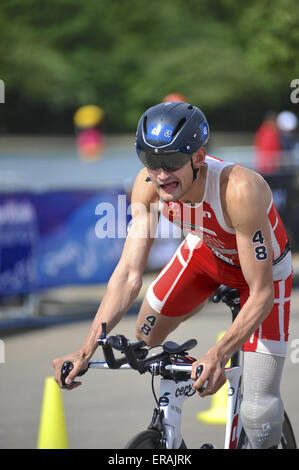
[(51, 239)]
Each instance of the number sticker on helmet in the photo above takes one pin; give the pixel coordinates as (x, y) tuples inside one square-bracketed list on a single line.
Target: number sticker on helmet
[(159, 132)]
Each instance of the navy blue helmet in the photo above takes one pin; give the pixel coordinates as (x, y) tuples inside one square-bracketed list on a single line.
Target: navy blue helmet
[(172, 127)]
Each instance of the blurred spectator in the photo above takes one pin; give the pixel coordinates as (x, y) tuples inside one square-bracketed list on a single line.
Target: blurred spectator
[(287, 123), (268, 146)]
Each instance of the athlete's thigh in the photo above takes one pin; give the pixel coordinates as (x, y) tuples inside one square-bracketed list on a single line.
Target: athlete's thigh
[(272, 335), (152, 327), (178, 292)]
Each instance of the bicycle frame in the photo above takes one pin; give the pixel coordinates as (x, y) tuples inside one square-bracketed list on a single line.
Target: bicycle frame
[(172, 395), (233, 418), (171, 399)]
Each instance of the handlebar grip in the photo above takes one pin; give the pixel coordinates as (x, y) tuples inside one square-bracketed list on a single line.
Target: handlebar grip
[(120, 343), (199, 370), (116, 342), (132, 353), (138, 345), (66, 369)]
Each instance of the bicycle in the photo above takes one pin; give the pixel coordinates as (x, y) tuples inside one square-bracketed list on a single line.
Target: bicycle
[(174, 366)]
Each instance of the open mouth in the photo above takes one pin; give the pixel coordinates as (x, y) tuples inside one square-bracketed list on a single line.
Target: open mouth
[(171, 186)]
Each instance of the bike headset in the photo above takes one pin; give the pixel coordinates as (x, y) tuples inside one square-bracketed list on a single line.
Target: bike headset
[(169, 133)]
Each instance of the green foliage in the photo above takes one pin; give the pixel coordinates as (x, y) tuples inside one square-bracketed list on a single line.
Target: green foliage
[(125, 55)]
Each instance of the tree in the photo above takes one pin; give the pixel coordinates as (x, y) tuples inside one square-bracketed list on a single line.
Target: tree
[(125, 55)]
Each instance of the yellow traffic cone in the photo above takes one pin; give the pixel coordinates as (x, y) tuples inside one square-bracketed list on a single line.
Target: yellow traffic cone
[(217, 413), (52, 431)]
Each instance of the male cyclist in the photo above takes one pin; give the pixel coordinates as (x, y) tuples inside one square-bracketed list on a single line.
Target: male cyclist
[(234, 237)]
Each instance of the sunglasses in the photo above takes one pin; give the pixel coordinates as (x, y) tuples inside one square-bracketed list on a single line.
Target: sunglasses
[(167, 161)]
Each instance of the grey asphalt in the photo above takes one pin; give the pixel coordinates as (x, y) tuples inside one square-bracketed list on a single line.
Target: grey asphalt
[(111, 406)]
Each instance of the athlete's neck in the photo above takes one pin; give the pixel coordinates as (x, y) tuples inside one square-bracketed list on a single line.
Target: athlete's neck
[(196, 192)]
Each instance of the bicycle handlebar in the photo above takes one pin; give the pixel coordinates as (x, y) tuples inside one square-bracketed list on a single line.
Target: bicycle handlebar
[(132, 351), (135, 355)]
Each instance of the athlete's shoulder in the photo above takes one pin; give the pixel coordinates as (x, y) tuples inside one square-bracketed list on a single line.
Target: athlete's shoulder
[(143, 190), (241, 180), (244, 189)]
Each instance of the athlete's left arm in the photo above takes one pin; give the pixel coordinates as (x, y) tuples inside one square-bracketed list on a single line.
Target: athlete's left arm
[(247, 201), (247, 209)]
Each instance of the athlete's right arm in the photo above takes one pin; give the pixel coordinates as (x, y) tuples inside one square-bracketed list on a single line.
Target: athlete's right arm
[(126, 280)]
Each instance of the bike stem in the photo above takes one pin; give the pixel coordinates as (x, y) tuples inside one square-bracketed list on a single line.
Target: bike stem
[(172, 396)]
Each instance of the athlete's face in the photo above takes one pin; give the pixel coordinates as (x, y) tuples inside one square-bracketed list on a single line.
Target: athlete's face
[(173, 185)]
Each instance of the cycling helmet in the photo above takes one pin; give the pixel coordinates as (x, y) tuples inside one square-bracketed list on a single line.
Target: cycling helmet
[(168, 134), (172, 126)]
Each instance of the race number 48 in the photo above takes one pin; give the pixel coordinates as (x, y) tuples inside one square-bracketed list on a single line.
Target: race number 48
[(148, 324), (260, 250)]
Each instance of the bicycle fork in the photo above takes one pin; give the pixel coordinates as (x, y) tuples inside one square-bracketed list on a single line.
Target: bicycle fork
[(168, 417)]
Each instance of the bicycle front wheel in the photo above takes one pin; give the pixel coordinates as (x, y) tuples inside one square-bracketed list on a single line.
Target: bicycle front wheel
[(149, 439)]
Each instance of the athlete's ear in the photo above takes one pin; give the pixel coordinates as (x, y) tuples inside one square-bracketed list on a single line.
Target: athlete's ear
[(198, 157)]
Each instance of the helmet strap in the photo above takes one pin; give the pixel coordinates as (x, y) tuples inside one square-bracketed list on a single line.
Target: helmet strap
[(195, 171)]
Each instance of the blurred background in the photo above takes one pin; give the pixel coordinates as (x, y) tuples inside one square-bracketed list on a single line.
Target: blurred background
[(75, 78)]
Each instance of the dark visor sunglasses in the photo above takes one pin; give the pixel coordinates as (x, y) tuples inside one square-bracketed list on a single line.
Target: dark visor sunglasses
[(167, 161)]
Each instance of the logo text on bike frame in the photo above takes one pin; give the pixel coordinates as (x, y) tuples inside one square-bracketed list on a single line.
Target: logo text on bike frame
[(2, 92)]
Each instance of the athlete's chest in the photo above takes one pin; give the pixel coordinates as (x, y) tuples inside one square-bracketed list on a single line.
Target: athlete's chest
[(202, 220)]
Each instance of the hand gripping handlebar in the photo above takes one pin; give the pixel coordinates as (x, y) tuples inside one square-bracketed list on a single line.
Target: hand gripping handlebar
[(134, 354)]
